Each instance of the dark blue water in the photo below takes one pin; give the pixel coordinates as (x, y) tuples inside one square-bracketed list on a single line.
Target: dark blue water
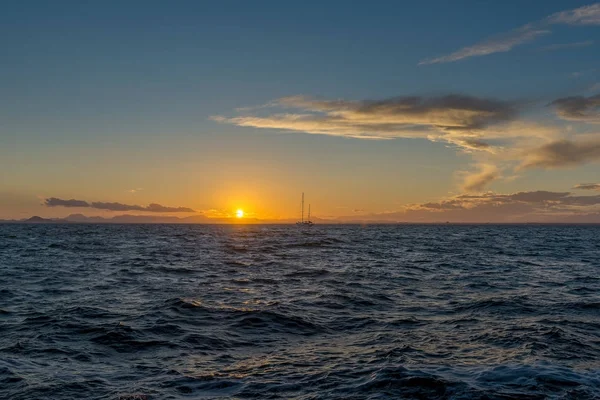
[(189, 311)]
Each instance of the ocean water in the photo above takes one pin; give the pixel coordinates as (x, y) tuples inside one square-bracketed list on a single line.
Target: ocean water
[(353, 312)]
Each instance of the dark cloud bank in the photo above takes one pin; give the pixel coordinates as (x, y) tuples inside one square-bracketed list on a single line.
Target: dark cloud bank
[(563, 153), (578, 108), (587, 186), (535, 206)]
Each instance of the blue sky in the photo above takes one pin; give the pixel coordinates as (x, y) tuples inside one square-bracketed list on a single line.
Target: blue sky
[(101, 97)]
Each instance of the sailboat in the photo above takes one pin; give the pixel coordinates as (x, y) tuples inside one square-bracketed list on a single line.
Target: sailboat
[(308, 222)]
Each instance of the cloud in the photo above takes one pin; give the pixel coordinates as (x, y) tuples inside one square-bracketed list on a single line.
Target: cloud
[(499, 44), (538, 196), (116, 206), (588, 15), (579, 74), (153, 207), (539, 199), (487, 127), (581, 200), (587, 186), (456, 119), (56, 202), (561, 46), (133, 191), (475, 182), (578, 108), (562, 153), (528, 206)]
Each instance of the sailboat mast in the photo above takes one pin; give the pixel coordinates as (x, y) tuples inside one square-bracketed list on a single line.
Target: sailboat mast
[(309, 212), (302, 219)]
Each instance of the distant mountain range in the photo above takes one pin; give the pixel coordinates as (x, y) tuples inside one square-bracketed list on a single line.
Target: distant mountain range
[(201, 219)]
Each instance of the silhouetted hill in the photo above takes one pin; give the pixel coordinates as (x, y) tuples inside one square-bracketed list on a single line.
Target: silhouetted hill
[(593, 218), (143, 219), (84, 219), (39, 220)]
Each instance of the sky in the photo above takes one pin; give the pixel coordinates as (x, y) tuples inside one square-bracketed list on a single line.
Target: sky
[(429, 111)]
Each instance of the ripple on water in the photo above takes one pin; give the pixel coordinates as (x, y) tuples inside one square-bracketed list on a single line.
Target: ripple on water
[(352, 312)]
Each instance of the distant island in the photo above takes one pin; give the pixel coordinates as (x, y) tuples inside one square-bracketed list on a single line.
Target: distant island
[(202, 219)]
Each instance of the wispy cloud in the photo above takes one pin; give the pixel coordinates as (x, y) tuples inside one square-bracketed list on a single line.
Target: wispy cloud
[(477, 181), (588, 15), (594, 88), (498, 44), (579, 74), (562, 46), (109, 206), (578, 108), (562, 153), (587, 186), (133, 191), (488, 128), (566, 150), (457, 119)]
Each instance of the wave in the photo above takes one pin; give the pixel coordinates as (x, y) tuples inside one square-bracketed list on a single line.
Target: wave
[(127, 340), (248, 319), (269, 321), (316, 243), (511, 305), (308, 273), (415, 312)]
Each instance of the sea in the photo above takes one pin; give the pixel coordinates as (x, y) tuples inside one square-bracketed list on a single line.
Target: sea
[(137, 312)]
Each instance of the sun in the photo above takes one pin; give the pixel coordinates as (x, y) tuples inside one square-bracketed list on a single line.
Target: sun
[(239, 213)]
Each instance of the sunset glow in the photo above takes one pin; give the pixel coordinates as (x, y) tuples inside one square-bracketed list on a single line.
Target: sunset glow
[(430, 132)]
